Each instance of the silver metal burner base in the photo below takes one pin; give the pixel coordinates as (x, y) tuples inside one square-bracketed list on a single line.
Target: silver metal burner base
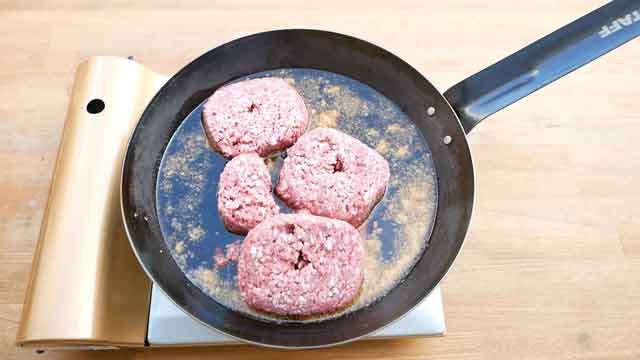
[(169, 325)]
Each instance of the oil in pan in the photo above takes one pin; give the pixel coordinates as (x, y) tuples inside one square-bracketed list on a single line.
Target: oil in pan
[(396, 232)]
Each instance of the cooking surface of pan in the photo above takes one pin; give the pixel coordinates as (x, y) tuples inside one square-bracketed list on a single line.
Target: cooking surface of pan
[(395, 233)]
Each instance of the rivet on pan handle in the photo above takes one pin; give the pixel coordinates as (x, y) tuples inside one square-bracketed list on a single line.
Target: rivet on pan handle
[(544, 61)]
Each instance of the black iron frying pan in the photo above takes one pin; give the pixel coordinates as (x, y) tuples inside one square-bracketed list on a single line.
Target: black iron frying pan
[(442, 120)]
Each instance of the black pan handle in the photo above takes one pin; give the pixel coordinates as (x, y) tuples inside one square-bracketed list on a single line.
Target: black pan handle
[(544, 61)]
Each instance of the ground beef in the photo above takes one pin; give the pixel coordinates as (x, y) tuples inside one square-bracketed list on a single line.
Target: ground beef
[(331, 174), (244, 193), (230, 254), (300, 264), (261, 115)]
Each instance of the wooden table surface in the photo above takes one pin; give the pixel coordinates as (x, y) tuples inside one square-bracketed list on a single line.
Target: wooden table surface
[(551, 266)]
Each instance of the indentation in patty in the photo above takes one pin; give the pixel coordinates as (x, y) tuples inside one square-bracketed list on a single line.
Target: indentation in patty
[(301, 264), (332, 174)]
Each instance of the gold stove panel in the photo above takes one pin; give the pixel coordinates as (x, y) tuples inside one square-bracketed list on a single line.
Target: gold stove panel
[(86, 287)]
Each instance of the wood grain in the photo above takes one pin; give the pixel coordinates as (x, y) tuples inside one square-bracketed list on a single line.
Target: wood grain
[(551, 266)]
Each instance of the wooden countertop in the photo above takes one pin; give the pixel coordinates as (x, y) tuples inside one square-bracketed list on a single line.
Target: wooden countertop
[(551, 266)]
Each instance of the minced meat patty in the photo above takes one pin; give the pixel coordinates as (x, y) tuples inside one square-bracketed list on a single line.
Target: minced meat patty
[(262, 115), (329, 173), (244, 193), (301, 264)]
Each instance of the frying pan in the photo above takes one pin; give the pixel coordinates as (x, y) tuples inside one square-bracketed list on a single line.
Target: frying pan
[(442, 119)]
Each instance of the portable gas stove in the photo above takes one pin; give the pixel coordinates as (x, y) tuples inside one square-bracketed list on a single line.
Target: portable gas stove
[(87, 290)]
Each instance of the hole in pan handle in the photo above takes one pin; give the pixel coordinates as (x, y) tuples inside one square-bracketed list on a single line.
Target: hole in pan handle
[(544, 61)]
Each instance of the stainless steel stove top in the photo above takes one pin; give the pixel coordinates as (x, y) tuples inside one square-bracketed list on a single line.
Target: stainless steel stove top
[(169, 325)]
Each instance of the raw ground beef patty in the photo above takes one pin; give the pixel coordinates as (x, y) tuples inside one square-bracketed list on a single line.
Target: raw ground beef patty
[(329, 173), (301, 264), (244, 193), (261, 115)]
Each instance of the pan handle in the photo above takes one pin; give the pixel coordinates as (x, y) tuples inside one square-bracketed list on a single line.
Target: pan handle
[(544, 61)]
